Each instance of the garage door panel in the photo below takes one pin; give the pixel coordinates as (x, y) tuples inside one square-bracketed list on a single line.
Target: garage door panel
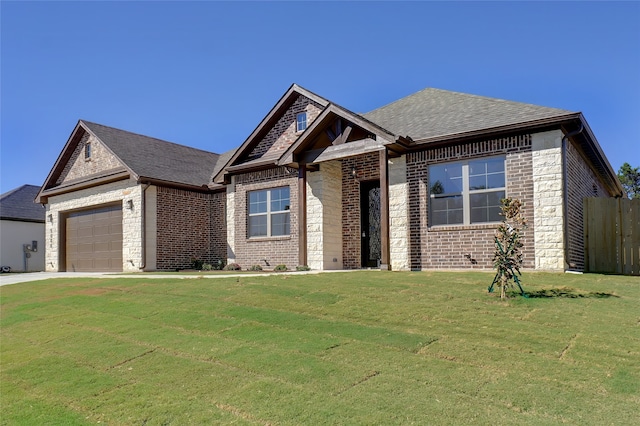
[(94, 240)]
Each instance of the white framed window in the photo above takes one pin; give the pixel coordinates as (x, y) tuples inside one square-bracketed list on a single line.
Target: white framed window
[(301, 121), (269, 213), (466, 192), (87, 151)]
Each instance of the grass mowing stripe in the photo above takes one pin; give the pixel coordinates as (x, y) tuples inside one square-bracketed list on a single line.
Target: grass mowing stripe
[(335, 328)]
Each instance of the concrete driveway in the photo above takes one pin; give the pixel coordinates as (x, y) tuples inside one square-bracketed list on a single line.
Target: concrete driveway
[(15, 278)]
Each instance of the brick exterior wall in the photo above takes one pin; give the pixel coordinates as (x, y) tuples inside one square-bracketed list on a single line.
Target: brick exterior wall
[(367, 168), (277, 250), (283, 134), (446, 246), (581, 182), (190, 225), (77, 167)]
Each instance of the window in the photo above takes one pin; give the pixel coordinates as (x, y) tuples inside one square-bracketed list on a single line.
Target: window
[(87, 150), (269, 212), (466, 192), (301, 121)]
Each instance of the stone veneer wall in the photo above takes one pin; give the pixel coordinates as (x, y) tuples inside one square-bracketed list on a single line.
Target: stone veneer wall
[(283, 133), (548, 200), (446, 246), (101, 160), (231, 220), (581, 182), (367, 168), (187, 221), (276, 250), (91, 198), (399, 214), (324, 226)]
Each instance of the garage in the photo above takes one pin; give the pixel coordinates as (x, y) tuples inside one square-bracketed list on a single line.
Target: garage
[(94, 240)]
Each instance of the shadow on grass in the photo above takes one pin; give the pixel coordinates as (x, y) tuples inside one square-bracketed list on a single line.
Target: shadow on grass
[(566, 292)]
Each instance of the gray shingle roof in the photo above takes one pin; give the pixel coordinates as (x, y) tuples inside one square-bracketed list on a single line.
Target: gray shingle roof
[(157, 159), (19, 204), (434, 112)]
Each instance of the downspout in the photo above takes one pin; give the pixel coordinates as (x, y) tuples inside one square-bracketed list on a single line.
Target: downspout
[(143, 231), (565, 195)]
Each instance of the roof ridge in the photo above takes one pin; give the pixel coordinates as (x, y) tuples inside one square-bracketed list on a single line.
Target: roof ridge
[(398, 100), (89, 123), (468, 95), (492, 99)]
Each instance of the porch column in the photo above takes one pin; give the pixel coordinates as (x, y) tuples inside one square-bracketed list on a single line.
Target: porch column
[(302, 214), (384, 211)]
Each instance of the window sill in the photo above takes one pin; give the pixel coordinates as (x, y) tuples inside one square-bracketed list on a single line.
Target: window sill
[(475, 226), (262, 239)]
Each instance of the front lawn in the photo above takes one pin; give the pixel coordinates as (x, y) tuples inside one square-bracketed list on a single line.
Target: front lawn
[(343, 348)]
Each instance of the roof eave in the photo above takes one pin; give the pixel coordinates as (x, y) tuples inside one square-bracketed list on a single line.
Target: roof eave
[(170, 184), (44, 194), (495, 131)]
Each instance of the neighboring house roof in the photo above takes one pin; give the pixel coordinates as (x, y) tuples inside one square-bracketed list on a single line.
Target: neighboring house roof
[(18, 204), (432, 113), (156, 159)]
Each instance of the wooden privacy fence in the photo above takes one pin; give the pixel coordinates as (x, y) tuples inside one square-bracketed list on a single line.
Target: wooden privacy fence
[(612, 235)]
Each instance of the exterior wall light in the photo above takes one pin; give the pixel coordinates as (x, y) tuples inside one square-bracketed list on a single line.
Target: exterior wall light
[(130, 204)]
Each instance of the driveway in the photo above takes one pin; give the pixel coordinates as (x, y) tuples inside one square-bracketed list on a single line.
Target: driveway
[(15, 278)]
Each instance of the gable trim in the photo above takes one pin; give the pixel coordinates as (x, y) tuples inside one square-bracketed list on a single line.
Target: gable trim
[(384, 136), (274, 114), (49, 187)]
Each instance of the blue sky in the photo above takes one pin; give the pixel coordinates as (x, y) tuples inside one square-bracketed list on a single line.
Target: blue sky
[(204, 74)]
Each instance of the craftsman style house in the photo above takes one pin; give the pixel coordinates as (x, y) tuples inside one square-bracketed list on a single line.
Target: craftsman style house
[(415, 184)]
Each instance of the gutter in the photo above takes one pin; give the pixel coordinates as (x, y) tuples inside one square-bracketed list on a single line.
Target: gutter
[(565, 195)]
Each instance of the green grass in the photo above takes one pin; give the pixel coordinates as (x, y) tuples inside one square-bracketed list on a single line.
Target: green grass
[(342, 348)]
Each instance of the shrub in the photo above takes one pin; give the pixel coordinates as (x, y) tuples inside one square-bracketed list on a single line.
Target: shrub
[(302, 268), (196, 263), (232, 267), (219, 265), (280, 268), (255, 268), (207, 267)]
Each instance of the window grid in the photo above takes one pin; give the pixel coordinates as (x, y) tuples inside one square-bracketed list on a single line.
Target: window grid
[(301, 121), (480, 204), (269, 212)]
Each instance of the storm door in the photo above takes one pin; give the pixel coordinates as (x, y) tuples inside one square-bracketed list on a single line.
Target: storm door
[(370, 224)]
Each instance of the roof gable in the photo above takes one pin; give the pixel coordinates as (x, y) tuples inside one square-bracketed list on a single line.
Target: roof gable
[(333, 134), (121, 154), (79, 166), (157, 159), (19, 204), (274, 134), (433, 113)]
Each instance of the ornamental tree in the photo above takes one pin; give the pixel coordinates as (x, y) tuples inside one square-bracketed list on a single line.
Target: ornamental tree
[(507, 258)]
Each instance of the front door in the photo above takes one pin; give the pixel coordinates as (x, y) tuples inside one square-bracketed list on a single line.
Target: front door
[(370, 224)]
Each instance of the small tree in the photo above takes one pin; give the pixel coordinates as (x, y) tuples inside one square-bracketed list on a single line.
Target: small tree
[(630, 180), (507, 258)]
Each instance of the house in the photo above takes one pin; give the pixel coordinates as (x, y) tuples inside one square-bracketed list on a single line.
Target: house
[(415, 184), (21, 230)]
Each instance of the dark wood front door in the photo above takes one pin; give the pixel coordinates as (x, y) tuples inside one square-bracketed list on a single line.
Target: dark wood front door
[(371, 248)]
